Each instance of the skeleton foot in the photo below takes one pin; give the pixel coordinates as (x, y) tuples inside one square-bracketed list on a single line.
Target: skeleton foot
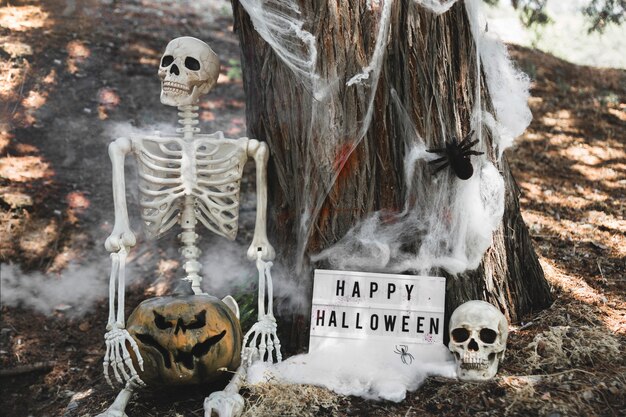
[(229, 403), (264, 334), (119, 405), (223, 404), (113, 413)]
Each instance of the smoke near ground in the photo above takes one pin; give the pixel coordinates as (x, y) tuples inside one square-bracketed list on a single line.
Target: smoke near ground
[(74, 291)]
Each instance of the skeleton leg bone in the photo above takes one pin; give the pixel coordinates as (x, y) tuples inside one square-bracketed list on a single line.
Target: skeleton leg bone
[(119, 405), (228, 403)]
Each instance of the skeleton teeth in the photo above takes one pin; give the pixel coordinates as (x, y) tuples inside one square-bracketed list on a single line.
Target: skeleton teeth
[(473, 360), (175, 87)]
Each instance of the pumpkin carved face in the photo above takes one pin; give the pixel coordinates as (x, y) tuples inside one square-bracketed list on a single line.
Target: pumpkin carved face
[(185, 340)]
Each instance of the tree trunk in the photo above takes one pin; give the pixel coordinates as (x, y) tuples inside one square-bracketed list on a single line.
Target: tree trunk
[(429, 58)]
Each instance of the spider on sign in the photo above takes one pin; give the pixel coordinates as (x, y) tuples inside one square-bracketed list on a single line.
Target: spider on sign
[(456, 154), (405, 356)]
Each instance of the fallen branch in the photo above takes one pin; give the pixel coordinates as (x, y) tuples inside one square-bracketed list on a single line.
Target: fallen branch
[(26, 369)]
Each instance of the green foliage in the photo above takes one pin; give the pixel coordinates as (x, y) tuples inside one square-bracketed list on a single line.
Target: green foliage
[(246, 297), (234, 70), (604, 12), (599, 12), (532, 12)]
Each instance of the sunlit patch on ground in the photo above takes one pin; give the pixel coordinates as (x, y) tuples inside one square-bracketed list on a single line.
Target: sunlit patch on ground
[(24, 168), (22, 18), (37, 236), (77, 204), (15, 48), (575, 213), (108, 100), (78, 52), (5, 140), (33, 101)]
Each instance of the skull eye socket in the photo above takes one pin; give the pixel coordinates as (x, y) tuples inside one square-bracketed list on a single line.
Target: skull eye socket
[(167, 60), (460, 335), (192, 63), (488, 336)]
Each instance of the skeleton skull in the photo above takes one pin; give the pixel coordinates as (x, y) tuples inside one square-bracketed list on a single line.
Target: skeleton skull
[(478, 333), (188, 69)]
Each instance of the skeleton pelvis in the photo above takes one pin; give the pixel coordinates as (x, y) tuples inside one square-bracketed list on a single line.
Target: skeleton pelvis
[(185, 340)]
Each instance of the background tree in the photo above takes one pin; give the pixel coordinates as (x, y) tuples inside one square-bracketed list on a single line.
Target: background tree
[(429, 61), (600, 13)]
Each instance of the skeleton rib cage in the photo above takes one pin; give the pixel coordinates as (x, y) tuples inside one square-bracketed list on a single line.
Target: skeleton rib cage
[(207, 167)]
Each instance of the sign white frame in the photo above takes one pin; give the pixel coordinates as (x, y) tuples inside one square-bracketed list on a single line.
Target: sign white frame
[(393, 313)]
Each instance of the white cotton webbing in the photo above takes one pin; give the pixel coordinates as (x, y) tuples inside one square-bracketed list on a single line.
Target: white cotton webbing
[(279, 23), (508, 86)]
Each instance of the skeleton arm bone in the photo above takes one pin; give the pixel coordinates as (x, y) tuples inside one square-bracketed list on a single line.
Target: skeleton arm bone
[(260, 153), (116, 337), (264, 332), (121, 234)]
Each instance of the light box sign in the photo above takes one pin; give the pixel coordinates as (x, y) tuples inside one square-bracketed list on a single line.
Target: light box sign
[(382, 309)]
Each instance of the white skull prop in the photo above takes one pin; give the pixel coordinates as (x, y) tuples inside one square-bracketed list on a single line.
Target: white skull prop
[(189, 68), (478, 333)]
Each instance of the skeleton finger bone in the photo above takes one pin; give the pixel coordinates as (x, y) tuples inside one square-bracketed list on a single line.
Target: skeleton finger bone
[(262, 346), (279, 356), (270, 347), (113, 361), (105, 364), (135, 348), (119, 363), (129, 364)]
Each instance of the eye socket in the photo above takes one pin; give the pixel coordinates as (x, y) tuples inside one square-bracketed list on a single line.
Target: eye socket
[(488, 336), (167, 60), (192, 63), (198, 322), (460, 335), (160, 321)]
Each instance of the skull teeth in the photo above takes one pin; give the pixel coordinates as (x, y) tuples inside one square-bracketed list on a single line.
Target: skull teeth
[(473, 360), (175, 87)]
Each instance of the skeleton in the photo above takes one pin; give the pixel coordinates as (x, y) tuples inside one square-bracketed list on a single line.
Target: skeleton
[(478, 333), (185, 179)]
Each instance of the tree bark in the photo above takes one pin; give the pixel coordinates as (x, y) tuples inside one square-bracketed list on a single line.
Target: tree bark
[(428, 57)]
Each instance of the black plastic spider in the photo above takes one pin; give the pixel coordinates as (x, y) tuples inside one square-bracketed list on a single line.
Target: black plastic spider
[(456, 155), (405, 356)]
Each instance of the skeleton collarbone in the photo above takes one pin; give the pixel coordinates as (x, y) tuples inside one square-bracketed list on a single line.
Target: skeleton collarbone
[(207, 167)]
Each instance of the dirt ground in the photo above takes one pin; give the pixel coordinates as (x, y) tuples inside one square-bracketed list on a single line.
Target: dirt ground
[(74, 74)]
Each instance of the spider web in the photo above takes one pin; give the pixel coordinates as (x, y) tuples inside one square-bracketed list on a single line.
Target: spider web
[(453, 219)]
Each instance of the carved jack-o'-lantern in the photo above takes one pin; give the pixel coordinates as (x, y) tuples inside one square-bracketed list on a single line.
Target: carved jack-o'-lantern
[(185, 340)]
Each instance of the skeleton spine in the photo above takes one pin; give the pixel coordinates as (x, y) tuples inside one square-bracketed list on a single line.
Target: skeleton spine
[(189, 120), (188, 220), (190, 251)]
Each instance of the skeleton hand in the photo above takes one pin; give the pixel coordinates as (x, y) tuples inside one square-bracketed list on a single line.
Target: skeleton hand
[(121, 236), (223, 404), (265, 330), (261, 245), (118, 357)]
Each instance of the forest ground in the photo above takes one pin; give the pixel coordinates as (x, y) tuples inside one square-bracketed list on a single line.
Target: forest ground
[(73, 74)]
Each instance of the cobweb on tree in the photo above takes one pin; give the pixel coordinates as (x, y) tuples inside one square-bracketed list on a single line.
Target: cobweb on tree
[(452, 221)]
